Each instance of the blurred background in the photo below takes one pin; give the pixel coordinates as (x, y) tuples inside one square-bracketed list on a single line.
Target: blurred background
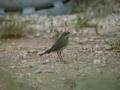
[(29, 27)]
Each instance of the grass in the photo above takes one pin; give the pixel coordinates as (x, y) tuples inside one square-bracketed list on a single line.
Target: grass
[(53, 29), (7, 80), (98, 81), (11, 29), (90, 12), (113, 39), (115, 44), (99, 8), (81, 22)]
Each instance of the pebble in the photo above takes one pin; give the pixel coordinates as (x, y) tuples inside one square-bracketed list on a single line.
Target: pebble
[(76, 39), (74, 32), (103, 63), (37, 34), (24, 61), (20, 46), (38, 71), (107, 46), (96, 61), (30, 36), (29, 74)]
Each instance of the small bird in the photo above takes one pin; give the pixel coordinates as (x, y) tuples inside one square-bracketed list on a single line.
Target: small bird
[(59, 45)]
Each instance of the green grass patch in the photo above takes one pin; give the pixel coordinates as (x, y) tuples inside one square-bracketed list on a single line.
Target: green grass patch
[(113, 39), (7, 80), (98, 82), (11, 29), (98, 8)]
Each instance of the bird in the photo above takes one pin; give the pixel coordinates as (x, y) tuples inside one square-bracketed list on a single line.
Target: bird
[(59, 45)]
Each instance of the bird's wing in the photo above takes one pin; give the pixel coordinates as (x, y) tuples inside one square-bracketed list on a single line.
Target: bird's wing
[(57, 45)]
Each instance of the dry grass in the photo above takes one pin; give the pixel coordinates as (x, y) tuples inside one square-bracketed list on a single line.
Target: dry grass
[(11, 29)]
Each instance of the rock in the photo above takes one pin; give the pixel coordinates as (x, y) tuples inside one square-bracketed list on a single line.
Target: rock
[(63, 78), (96, 61), (24, 61), (103, 63), (30, 36), (43, 70), (107, 46), (29, 74), (23, 55), (32, 51), (99, 52), (38, 71), (45, 61), (20, 46), (76, 39), (13, 43), (37, 34), (73, 32), (12, 67)]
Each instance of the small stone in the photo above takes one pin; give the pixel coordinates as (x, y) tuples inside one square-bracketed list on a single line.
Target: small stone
[(107, 47), (99, 52), (24, 61), (30, 66), (103, 63), (96, 46), (30, 36), (76, 39), (84, 40), (48, 71), (24, 54), (53, 80), (29, 74), (74, 32), (32, 51), (46, 61), (37, 34), (20, 75), (96, 61), (12, 67), (13, 43), (38, 71), (20, 46), (63, 78)]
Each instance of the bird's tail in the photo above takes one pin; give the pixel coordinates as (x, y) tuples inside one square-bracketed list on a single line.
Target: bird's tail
[(48, 51), (43, 53)]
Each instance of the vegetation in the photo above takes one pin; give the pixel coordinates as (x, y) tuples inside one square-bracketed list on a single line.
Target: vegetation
[(90, 12), (11, 29), (114, 41), (7, 80), (53, 29), (103, 81), (98, 8)]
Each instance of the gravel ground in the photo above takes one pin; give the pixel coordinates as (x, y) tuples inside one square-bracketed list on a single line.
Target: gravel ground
[(87, 53)]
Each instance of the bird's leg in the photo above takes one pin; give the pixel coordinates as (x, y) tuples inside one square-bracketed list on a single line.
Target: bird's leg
[(61, 58), (59, 55)]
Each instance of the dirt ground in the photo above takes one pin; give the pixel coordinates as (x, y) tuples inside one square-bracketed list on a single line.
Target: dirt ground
[(86, 54)]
